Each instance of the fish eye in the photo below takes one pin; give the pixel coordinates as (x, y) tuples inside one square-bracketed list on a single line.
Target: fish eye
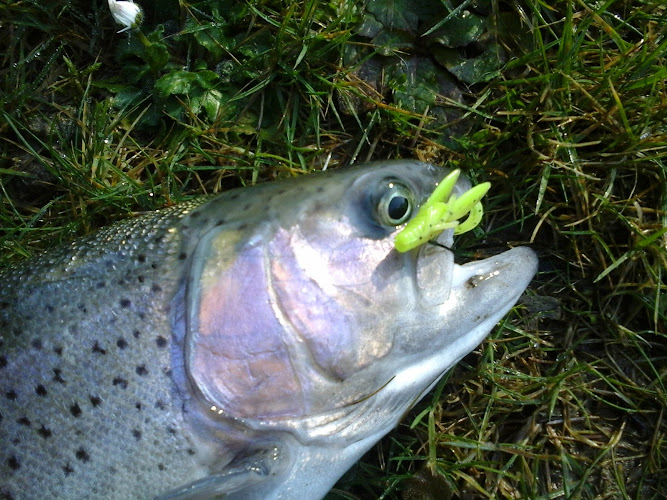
[(394, 204)]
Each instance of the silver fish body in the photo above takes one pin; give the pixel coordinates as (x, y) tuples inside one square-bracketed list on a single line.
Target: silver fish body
[(253, 345)]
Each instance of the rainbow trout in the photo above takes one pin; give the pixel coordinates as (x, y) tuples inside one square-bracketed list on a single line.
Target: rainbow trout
[(248, 346)]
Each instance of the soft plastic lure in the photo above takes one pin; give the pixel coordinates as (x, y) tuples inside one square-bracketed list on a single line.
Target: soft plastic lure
[(442, 211)]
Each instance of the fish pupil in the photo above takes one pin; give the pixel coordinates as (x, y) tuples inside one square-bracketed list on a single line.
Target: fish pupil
[(398, 208)]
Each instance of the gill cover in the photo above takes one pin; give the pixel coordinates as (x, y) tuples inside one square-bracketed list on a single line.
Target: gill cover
[(235, 354), (266, 342)]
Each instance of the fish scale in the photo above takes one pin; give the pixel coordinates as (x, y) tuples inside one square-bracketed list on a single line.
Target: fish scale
[(56, 426)]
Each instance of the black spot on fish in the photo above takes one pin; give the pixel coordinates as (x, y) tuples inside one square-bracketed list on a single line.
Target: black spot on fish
[(182, 256), (136, 334), (171, 430), (191, 451), (141, 279), (97, 349), (49, 308), (156, 288), (154, 265), (13, 463), (44, 432), (220, 222), (120, 382), (234, 196), (82, 454), (121, 343), (75, 410), (100, 284), (11, 395), (125, 303), (57, 376), (160, 405), (95, 401), (161, 342), (4, 304), (137, 434), (3, 361), (141, 258), (40, 390), (247, 207), (141, 370), (6, 495), (242, 227), (67, 469), (23, 421), (36, 344), (137, 405), (82, 308), (160, 466), (58, 351), (194, 215)]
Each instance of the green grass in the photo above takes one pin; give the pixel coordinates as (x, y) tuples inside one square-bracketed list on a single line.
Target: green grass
[(561, 105)]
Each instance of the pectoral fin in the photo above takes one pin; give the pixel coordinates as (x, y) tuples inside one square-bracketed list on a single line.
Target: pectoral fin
[(242, 480)]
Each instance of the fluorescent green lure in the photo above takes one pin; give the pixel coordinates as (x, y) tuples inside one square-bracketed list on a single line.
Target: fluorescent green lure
[(442, 211)]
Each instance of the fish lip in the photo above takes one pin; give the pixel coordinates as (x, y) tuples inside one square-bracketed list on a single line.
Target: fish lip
[(520, 260), (433, 274), (445, 238), (492, 286), (433, 269)]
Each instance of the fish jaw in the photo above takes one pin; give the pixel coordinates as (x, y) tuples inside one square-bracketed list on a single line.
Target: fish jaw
[(481, 293)]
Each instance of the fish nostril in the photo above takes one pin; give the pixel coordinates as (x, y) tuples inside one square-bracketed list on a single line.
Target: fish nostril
[(476, 280)]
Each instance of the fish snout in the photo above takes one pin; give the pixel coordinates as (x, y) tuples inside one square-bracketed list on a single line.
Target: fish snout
[(484, 291)]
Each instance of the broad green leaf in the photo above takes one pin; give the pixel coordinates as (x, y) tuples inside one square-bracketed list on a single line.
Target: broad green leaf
[(394, 14), (213, 39), (481, 68), (461, 30), (176, 82)]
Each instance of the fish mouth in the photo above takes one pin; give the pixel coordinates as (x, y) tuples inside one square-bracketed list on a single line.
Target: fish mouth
[(470, 298), (437, 276), (480, 293), (497, 281), (476, 296)]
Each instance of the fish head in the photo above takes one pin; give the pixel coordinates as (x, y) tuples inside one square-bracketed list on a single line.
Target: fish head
[(302, 316)]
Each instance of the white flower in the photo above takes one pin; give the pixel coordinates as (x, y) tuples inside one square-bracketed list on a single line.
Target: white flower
[(126, 13)]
